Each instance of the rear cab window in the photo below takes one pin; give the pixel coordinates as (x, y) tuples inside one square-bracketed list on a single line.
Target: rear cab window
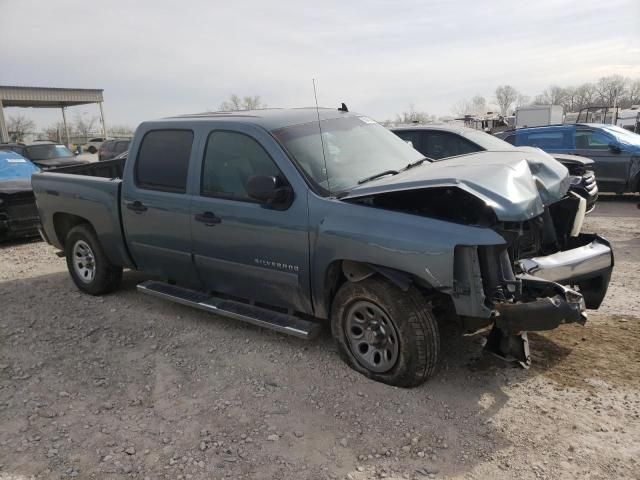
[(163, 160)]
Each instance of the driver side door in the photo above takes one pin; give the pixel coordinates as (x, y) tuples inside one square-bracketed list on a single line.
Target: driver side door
[(242, 247)]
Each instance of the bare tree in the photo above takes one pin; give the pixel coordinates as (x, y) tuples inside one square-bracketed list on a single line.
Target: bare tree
[(18, 126), (611, 89), (479, 105), (413, 116), (121, 130), (461, 108), (554, 95), (245, 103), (523, 100), (633, 93), (585, 95), (506, 96), (55, 132), (82, 127)]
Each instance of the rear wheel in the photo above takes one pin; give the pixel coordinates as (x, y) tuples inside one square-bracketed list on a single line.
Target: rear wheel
[(388, 335), (92, 149), (89, 267)]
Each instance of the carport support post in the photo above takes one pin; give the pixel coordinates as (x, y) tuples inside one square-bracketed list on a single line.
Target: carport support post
[(66, 128), (104, 127), (4, 134)]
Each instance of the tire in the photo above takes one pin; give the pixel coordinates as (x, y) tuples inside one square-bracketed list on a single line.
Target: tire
[(89, 267), (92, 149), (408, 361)]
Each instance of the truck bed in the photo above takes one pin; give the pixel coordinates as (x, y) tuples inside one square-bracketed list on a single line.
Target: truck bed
[(83, 194), (105, 169)]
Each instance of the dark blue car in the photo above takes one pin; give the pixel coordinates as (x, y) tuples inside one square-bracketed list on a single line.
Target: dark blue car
[(616, 151), (18, 212)]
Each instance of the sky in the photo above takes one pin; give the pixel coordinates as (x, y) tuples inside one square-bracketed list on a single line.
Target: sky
[(161, 58)]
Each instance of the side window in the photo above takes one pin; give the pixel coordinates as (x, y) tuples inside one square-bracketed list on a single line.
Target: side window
[(546, 140), (592, 140), (444, 145), (510, 139), (413, 137), (163, 160), (121, 146), (229, 160)]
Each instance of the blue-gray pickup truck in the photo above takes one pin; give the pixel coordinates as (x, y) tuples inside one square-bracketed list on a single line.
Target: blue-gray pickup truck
[(295, 218)]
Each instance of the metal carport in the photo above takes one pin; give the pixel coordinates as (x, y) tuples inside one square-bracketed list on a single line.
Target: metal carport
[(44, 97)]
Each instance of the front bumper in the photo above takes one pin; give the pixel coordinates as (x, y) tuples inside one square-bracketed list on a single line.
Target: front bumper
[(588, 265), (560, 287)]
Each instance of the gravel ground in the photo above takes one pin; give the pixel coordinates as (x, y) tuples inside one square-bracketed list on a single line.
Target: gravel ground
[(127, 386)]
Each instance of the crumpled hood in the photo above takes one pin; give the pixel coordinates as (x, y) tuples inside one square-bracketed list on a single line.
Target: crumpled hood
[(15, 185), (515, 184)]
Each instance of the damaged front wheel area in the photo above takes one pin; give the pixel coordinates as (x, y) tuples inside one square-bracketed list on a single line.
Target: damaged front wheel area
[(551, 305)]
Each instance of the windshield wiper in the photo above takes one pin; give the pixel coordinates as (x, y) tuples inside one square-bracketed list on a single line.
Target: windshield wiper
[(378, 175), (417, 162)]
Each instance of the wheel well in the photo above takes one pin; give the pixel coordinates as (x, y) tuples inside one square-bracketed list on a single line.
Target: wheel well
[(336, 277), (63, 222)]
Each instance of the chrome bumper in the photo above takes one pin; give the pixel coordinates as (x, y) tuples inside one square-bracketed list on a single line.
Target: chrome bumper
[(588, 264), (571, 264)]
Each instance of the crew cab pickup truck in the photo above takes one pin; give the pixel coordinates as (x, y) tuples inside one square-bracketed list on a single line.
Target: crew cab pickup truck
[(291, 218)]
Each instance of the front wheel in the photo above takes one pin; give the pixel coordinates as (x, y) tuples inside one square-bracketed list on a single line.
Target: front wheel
[(384, 333), (89, 267), (92, 149)]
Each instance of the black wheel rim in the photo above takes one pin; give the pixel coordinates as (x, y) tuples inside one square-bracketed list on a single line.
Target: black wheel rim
[(372, 336)]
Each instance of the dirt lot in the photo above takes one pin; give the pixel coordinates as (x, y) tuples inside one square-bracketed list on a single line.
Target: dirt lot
[(129, 386)]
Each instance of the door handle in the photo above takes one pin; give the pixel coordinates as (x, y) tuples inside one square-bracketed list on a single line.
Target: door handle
[(137, 206), (208, 218)]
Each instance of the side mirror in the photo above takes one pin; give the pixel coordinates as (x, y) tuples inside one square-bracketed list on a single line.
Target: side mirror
[(267, 190), (614, 147)]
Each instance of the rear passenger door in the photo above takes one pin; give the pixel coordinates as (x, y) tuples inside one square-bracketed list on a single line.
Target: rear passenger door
[(612, 169), (156, 208), (241, 247)]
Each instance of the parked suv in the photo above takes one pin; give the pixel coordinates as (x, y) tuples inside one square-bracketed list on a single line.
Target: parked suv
[(440, 142), (112, 148), (616, 151)]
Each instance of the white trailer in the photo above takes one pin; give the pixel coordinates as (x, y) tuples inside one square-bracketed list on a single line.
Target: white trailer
[(539, 115)]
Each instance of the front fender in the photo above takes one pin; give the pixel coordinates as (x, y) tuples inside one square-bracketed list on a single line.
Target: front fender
[(421, 247)]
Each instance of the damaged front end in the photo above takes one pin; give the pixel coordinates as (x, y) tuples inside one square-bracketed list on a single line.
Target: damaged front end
[(546, 275)]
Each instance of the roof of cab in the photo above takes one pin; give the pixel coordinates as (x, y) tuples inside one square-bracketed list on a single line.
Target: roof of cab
[(268, 118)]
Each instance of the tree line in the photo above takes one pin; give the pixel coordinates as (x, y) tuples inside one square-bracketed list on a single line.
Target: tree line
[(613, 90), (19, 125)]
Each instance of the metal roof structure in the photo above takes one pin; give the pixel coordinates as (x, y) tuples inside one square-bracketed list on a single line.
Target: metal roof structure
[(45, 97)]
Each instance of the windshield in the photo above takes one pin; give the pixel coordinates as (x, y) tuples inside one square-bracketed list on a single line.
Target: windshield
[(623, 135), (486, 141), (355, 148), (14, 166), (47, 152)]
